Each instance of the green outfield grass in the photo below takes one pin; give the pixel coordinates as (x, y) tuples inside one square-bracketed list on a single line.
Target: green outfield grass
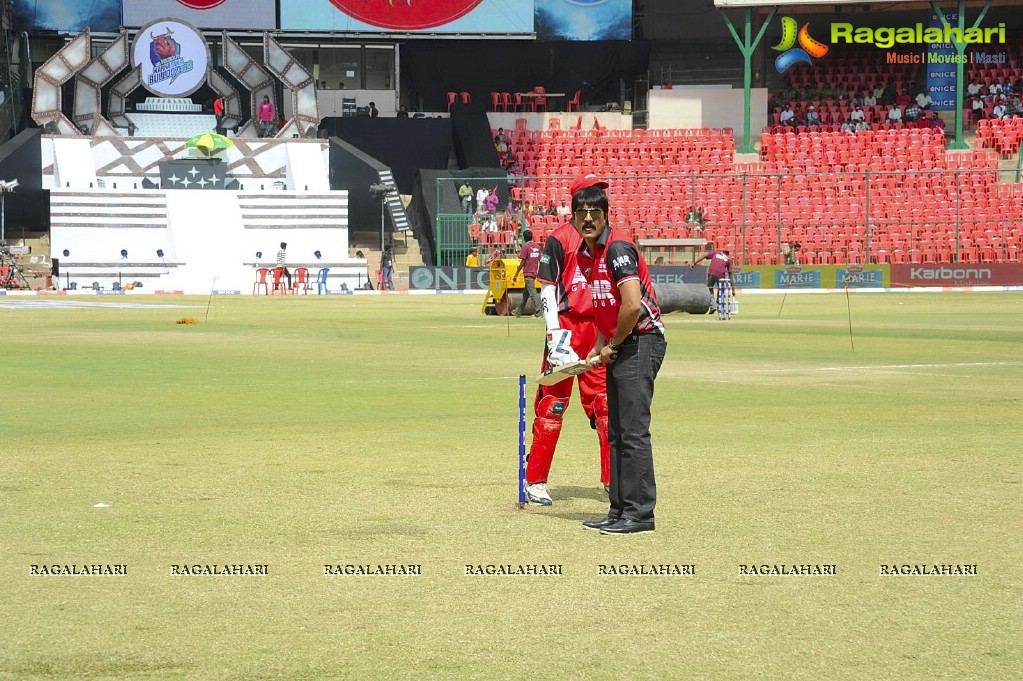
[(374, 430)]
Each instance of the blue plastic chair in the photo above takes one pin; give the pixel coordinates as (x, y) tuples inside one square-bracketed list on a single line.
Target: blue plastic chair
[(321, 281)]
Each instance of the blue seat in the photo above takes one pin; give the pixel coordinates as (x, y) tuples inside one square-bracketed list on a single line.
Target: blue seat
[(321, 281)]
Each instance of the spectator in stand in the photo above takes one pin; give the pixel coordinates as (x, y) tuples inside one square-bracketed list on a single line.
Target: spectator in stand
[(1014, 108), (788, 116), (812, 117), (894, 114), (861, 125), (501, 144), (490, 203), (977, 106), (856, 115), (879, 92), (973, 89), (923, 100), (999, 110), (481, 196), (563, 209), (373, 111), (933, 121), (465, 196), (869, 99), (847, 126), (856, 100), (402, 112), (994, 89), (903, 99), (911, 114)]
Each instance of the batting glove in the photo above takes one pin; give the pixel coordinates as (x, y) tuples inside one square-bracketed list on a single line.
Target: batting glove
[(559, 348)]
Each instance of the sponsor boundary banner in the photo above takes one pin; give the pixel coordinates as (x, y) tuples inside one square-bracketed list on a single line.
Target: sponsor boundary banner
[(957, 274)]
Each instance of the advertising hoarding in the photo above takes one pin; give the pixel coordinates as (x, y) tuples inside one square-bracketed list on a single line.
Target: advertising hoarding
[(409, 16), (204, 14)]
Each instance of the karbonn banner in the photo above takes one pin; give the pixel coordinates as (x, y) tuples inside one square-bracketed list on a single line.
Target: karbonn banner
[(958, 274), (204, 14), (173, 57), (408, 16)]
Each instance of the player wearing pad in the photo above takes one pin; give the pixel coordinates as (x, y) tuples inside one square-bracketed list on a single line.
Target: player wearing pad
[(571, 333)]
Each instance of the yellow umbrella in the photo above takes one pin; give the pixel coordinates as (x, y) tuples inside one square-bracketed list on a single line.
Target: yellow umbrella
[(210, 143)]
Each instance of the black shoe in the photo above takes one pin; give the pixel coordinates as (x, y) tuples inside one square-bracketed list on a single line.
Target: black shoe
[(606, 521), (628, 526)]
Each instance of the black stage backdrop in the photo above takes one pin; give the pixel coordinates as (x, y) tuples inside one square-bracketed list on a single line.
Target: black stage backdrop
[(422, 211), (432, 68), (474, 145), (403, 144), (27, 208)]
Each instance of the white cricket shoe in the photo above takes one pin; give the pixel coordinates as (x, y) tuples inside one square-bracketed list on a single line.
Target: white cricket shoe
[(536, 493)]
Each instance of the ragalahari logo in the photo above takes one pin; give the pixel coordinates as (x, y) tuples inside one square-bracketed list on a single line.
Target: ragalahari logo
[(808, 50)]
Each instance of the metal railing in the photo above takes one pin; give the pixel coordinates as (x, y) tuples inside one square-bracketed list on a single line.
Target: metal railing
[(956, 215)]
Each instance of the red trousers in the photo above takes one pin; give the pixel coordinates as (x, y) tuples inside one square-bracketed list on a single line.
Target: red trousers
[(552, 401)]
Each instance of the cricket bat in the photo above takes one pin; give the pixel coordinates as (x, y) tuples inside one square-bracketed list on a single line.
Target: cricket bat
[(560, 373)]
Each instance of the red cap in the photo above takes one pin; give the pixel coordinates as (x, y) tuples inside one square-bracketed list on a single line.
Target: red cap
[(586, 180)]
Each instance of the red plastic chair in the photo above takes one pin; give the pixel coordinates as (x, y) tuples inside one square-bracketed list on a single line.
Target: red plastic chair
[(452, 98), (280, 285), (574, 102), (506, 102), (300, 279), (261, 275), (496, 102), (465, 97), (539, 101)]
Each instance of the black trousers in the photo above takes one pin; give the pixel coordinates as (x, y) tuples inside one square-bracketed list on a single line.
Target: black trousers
[(630, 392)]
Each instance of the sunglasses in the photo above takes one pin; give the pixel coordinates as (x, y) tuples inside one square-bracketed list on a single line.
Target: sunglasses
[(591, 213)]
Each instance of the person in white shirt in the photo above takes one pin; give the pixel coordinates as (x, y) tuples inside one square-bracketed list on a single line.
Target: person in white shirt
[(995, 88), (787, 115), (895, 115), (869, 99), (923, 100), (856, 115), (973, 89), (999, 110)]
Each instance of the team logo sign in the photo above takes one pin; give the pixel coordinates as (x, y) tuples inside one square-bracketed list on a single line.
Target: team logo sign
[(406, 15), (173, 57), (808, 49)]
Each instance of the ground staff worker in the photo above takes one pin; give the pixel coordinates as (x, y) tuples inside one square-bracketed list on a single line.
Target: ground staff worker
[(630, 342), (571, 332)]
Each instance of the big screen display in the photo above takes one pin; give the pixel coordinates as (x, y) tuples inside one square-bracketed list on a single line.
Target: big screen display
[(102, 16), (204, 14), (408, 16)]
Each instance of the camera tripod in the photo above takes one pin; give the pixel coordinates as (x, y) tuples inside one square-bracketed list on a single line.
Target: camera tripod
[(11, 276)]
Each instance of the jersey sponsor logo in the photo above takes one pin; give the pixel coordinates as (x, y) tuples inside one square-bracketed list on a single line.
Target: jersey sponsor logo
[(621, 261), (601, 290), (545, 258)]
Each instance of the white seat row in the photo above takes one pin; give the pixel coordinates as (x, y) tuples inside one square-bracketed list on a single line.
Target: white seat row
[(171, 125), (168, 104)]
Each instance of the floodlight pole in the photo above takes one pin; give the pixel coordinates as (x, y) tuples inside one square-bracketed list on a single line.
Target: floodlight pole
[(960, 46), (748, 47)]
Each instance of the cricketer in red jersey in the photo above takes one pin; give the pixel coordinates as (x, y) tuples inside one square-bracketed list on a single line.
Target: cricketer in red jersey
[(571, 333), (630, 342)]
